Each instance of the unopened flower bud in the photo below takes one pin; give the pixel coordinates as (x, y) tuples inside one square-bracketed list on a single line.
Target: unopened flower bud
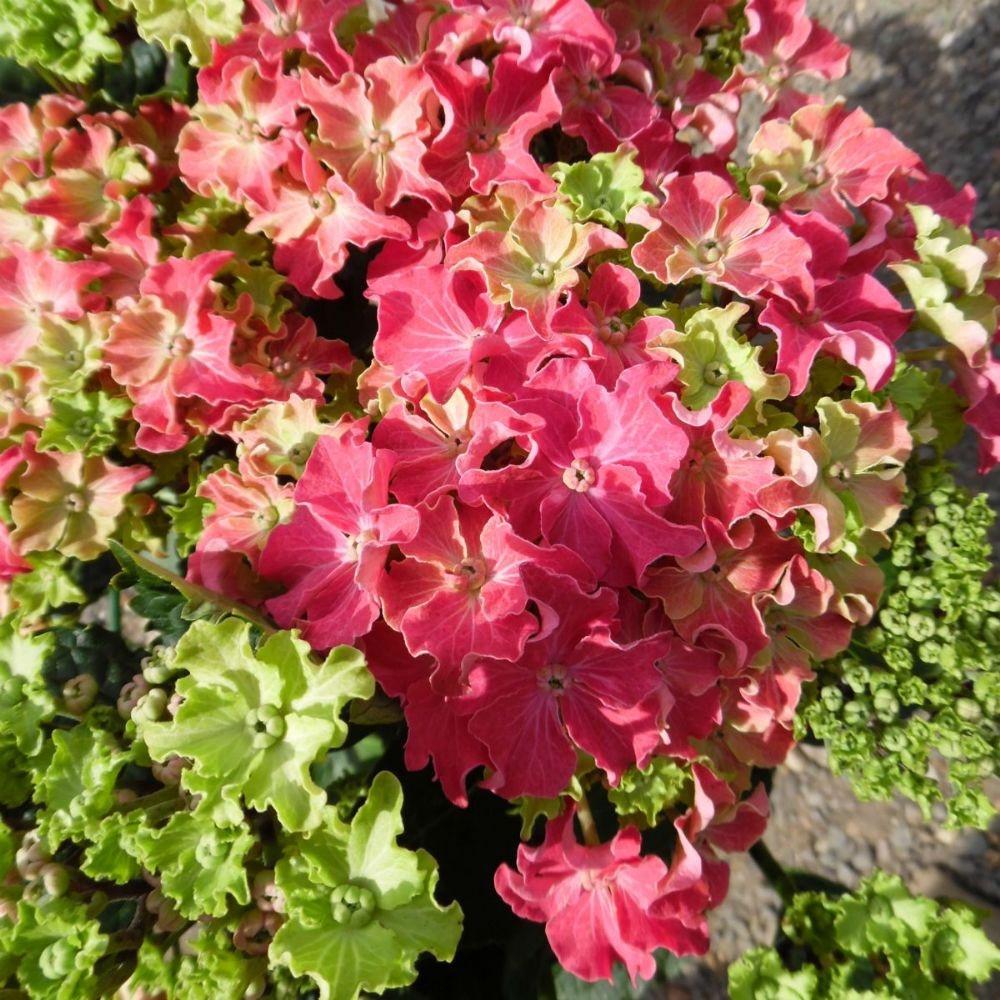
[(130, 694), (159, 668), (266, 894), (255, 930), (169, 773), (151, 707), (79, 693), (55, 878)]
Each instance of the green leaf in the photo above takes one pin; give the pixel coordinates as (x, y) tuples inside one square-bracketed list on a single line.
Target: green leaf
[(649, 792), (112, 852), (195, 23), (58, 945), (76, 789), (83, 422), (253, 722), (604, 188), (25, 702), (46, 587), (200, 865), (359, 908), (760, 975), (62, 37)]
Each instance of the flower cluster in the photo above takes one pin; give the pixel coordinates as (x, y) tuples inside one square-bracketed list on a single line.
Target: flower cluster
[(629, 429)]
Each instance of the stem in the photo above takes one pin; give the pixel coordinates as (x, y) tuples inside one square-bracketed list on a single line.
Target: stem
[(123, 941), (779, 879), (193, 591), (114, 610), (163, 796), (587, 824), (707, 292)]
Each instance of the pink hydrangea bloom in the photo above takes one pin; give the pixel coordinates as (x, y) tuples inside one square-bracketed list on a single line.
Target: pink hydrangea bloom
[(829, 159), (331, 554), (607, 903), (169, 345), (458, 589), (788, 44), (435, 328), (242, 131), (371, 130), (35, 284), (596, 472), (592, 325), (855, 317), (313, 216), (490, 118), (573, 686), (705, 229)]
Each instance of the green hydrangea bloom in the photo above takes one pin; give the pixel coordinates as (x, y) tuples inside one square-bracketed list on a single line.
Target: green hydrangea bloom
[(83, 421), (253, 721), (711, 353), (947, 284), (76, 788), (359, 909), (216, 969), (604, 188), (45, 587), (57, 944), (25, 702)]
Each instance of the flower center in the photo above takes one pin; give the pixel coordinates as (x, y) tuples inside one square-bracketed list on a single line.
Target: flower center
[(716, 373), (267, 517), (839, 471), (298, 454), (179, 346), (815, 174), (555, 679), (352, 905), (380, 143), (709, 251), (76, 502), (542, 274), (579, 477), (483, 138), (612, 332), (468, 575), (355, 543)]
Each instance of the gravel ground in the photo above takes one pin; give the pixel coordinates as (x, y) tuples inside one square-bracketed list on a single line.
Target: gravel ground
[(929, 70)]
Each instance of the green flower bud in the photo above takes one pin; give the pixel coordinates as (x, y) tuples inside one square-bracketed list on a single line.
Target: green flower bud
[(152, 706), (268, 725), (352, 905)]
